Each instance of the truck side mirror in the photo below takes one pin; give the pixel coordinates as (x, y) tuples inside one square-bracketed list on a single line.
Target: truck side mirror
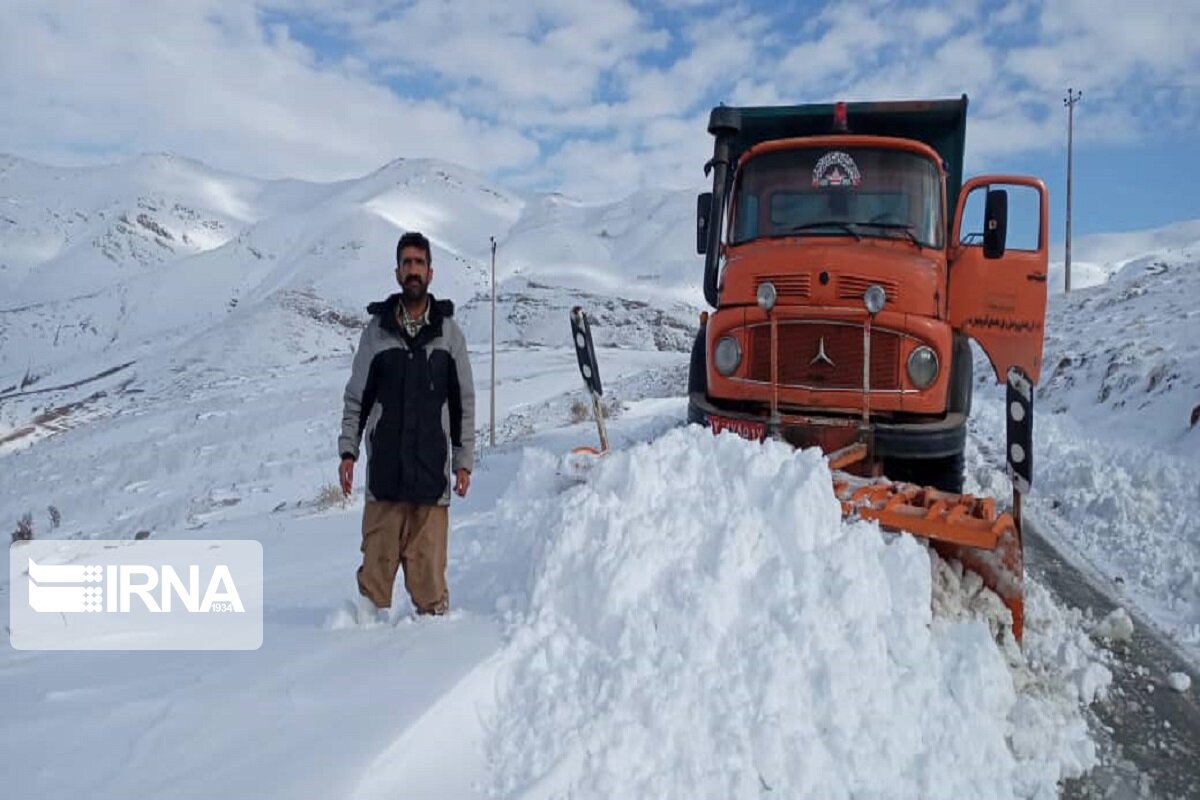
[(703, 209), (995, 223)]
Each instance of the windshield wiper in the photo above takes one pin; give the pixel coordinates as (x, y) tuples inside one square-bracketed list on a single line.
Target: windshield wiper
[(894, 226), (848, 227)]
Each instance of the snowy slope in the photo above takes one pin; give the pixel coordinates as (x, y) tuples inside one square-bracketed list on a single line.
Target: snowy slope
[(640, 248), (1097, 257), (68, 232), (1129, 353), (192, 246), (649, 627), (1116, 456)]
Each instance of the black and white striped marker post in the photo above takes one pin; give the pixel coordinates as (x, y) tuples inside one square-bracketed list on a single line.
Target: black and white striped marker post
[(1019, 439), (585, 353)]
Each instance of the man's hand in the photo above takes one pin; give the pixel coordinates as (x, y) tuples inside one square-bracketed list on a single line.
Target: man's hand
[(346, 475), (462, 482)]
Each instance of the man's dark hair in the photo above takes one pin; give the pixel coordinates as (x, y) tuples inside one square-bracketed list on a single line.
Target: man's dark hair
[(414, 239)]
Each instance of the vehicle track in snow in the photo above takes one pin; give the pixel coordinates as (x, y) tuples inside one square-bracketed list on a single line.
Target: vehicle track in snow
[(1148, 735)]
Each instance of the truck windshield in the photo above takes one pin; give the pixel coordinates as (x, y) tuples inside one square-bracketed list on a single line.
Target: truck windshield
[(860, 191)]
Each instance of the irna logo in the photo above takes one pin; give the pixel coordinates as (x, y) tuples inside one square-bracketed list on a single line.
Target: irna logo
[(71, 588), (136, 595)]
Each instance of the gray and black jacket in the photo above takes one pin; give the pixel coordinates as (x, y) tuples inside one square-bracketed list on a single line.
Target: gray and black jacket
[(415, 400)]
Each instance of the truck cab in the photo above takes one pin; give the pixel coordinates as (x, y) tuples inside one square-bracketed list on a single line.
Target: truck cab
[(846, 283)]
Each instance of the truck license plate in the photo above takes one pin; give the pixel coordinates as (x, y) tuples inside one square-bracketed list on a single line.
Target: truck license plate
[(747, 429)]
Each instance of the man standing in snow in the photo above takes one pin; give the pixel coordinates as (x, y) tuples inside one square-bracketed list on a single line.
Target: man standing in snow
[(410, 391)]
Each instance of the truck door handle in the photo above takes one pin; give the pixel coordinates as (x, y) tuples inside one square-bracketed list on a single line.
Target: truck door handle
[(1040, 277)]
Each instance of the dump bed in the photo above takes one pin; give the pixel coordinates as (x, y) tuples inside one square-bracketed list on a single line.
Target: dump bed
[(941, 124)]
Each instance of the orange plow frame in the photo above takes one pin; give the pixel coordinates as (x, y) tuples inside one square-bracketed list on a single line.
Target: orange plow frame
[(960, 526)]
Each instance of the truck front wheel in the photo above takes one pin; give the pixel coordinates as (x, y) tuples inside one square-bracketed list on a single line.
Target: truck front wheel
[(697, 378), (962, 376), (945, 474)]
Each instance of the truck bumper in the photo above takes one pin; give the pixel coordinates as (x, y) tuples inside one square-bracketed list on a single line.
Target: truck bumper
[(936, 438)]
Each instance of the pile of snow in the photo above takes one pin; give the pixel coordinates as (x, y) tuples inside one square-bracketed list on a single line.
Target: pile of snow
[(1129, 513), (1058, 671), (700, 622)]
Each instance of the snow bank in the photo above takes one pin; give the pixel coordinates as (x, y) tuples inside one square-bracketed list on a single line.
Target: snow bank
[(700, 622), (1131, 513)]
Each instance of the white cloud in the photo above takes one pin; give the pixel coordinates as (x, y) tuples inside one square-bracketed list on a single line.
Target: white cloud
[(930, 23), (849, 43), (717, 51), (1011, 13), (542, 51), (207, 80), (593, 97), (1107, 48)]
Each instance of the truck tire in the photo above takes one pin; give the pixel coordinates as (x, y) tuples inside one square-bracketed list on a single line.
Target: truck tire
[(697, 377), (962, 376), (945, 474)]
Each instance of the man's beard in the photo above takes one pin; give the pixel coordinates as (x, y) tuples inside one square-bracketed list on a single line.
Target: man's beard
[(414, 290)]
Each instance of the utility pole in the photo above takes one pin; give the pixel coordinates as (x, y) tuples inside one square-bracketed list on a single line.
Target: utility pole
[(492, 427), (1069, 101)]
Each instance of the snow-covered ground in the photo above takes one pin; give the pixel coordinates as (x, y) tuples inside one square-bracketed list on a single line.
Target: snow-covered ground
[(611, 637), (646, 626), (1117, 454)]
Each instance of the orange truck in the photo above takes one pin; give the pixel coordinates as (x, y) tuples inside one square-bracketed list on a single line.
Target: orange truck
[(848, 266)]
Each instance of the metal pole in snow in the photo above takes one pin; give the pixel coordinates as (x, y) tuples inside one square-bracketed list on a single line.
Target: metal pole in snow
[(1069, 101), (492, 426)]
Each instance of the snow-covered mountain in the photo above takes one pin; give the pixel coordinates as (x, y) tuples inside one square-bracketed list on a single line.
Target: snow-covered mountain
[(1095, 258), (1128, 350), (173, 345), (104, 261), (82, 230)]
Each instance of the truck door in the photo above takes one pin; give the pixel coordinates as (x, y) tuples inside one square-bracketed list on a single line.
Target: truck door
[(999, 298)]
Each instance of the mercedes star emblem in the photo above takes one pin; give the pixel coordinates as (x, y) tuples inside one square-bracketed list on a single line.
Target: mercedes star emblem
[(822, 355)]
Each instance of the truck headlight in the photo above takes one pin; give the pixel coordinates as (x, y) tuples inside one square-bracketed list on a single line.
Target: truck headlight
[(766, 296), (874, 298), (727, 355), (922, 367)]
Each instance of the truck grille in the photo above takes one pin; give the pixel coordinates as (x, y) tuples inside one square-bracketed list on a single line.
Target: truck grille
[(799, 343)]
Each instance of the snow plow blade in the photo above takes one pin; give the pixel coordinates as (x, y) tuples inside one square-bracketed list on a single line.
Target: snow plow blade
[(960, 526)]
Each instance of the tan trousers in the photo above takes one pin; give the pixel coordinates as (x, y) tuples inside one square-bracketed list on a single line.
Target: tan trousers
[(411, 536)]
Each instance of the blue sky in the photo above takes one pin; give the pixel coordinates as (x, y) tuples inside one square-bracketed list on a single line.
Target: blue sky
[(602, 97)]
